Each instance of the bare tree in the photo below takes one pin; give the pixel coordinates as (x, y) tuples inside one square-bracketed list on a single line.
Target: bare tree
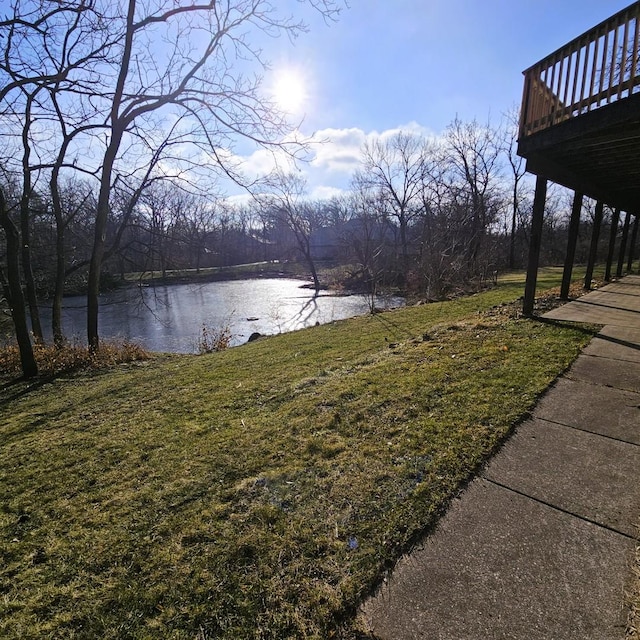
[(25, 216), (197, 219), (472, 152), (44, 47), (63, 216), (13, 290), (287, 206), (366, 234), (130, 68), (394, 170), (197, 74), (517, 171)]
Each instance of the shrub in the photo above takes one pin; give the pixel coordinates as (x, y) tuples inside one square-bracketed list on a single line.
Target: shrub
[(213, 339), (71, 357)]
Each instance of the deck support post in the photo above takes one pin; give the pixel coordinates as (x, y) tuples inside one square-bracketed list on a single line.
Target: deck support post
[(593, 250), (572, 241), (612, 243), (623, 245), (534, 245), (632, 248)]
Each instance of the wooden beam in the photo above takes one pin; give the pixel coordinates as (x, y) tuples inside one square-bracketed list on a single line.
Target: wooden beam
[(623, 245), (632, 248), (612, 243), (567, 178), (616, 113), (574, 226), (534, 245), (615, 186), (593, 251)]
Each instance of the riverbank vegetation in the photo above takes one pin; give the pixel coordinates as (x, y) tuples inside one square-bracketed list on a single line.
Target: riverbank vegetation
[(72, 357), (261, 491)]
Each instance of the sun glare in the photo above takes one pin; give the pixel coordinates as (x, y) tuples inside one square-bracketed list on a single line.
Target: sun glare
[(289, 90)]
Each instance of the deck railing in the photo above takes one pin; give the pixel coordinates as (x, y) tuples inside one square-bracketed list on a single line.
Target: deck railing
[(598, 68)]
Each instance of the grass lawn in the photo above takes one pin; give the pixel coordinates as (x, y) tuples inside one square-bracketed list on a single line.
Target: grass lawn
[(262, 491)]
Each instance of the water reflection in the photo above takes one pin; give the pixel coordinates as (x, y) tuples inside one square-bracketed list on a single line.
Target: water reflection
[(170, 318)]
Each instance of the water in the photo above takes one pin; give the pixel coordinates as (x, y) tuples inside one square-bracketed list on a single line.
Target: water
[(170, 318)]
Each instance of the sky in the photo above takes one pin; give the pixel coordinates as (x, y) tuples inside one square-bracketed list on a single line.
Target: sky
[(386, 65)]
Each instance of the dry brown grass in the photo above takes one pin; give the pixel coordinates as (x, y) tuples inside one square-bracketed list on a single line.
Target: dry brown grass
[(53, 361), (212, 340)]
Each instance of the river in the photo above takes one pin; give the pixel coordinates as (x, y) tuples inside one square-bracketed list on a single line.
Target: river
[(170, 318)]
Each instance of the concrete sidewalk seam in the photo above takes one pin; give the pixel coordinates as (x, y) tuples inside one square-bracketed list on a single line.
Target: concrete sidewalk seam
[(618, 341), (598, 357), (567, 375), (593, 433), (560, 509)]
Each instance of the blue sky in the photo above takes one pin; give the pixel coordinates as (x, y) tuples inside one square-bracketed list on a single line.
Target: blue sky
[(387, 64)]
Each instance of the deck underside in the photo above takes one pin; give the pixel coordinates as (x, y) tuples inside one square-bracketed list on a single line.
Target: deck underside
[(597, 154)]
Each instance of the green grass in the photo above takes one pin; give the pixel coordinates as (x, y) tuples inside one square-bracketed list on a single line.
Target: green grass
[(262, 491)]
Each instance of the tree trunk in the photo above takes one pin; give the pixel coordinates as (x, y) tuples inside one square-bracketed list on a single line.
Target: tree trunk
[(29, 280), (14, 289), (314, 274), (95, 268), (58, 291), (405, 248), (514, 224), (117, 128), (97, 254), (305, 249), (25, 228)]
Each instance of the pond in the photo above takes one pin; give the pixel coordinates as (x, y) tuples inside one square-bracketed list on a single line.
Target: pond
[(171, 318)]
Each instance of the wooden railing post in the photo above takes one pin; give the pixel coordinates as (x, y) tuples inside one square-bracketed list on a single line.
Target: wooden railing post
[(593, 251), (612, 243), (574, 227), (535, 241)]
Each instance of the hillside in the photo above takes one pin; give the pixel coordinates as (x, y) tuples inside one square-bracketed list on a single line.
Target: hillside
[(262, 491)]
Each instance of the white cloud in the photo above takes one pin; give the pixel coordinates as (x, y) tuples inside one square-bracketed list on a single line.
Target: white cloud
[(262, 162), (334, 155), (410, 127), (240, 199), (337, 150), (325, 192)]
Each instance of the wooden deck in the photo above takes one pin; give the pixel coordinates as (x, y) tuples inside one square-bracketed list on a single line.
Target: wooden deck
[(580, 117), (580, 127)]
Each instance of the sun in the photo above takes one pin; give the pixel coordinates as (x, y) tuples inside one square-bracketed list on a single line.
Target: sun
[(289, 90)]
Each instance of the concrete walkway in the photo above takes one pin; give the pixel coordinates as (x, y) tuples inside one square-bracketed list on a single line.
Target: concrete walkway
[(540, 546)]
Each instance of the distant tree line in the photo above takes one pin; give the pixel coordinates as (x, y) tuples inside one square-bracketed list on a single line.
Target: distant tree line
[(96, 182), (427, 217)]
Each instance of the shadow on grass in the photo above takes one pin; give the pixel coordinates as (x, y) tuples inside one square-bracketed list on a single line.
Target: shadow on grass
[(393, 327), (18, 387), (587, 329)]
